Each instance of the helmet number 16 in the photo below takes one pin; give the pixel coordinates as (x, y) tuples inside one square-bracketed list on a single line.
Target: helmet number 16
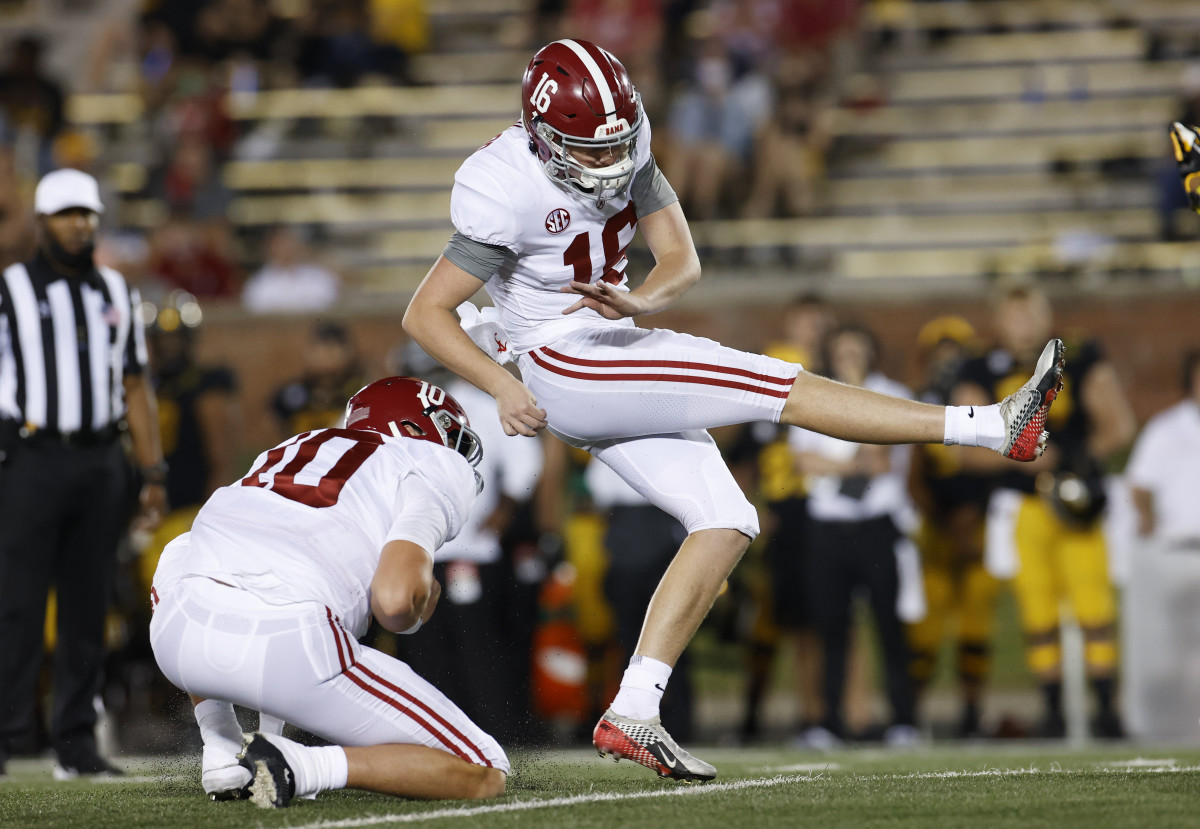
[(546, 87), (578, 255)]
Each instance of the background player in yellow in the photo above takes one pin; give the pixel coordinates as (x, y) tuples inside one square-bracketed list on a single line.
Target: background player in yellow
[(952, 501), (1056, 535)]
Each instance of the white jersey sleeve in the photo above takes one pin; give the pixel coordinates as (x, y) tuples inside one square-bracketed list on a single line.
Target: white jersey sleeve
[(481, 209), (434, 501)]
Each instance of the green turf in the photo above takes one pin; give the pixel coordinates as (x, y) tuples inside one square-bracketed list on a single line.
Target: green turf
[(1026, 786)]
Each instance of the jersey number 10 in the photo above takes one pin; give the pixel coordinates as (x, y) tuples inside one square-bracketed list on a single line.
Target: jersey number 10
[(328, 486), (578, 254)]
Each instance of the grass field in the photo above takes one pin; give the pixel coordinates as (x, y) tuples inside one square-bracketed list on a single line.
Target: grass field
[(1027, 786)]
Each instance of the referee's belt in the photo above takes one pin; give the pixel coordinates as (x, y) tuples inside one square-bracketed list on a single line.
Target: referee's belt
[(91, 437)]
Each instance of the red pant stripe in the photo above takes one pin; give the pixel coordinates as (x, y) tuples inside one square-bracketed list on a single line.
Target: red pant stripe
[(334, 627), (434, 714), (403, 709), (662, 377), (682, 364)]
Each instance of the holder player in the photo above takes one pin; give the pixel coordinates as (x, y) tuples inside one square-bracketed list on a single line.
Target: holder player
[(260, 605)]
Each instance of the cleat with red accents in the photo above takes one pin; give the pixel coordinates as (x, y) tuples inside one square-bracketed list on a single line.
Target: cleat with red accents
[(1025, 410), (648, 744)]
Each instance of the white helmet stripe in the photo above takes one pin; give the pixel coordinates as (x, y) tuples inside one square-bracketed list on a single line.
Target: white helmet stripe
[(606, 95)]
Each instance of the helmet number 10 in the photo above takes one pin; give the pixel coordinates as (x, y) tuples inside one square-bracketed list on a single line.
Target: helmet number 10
[(546, 87), (578, 255)]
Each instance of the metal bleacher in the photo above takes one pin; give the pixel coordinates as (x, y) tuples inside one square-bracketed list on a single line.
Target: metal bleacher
[(993, 152)]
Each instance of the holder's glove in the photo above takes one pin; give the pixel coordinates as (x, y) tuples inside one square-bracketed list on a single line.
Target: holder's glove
[(1187, 155)]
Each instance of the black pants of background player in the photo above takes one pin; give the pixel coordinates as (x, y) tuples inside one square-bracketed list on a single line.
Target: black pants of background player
[(62, 512), (846, 557), (641, 541), (465, 649)]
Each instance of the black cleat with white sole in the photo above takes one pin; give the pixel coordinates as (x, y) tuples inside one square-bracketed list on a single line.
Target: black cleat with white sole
[(274, 784)]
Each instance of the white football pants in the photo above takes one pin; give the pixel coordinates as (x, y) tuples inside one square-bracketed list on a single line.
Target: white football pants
[(639, 401), (296, 662)]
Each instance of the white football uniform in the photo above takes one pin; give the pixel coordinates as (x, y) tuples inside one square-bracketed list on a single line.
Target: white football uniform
[(638, 400), (261, 603)]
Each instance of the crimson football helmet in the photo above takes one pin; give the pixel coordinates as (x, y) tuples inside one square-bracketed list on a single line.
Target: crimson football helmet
[(578, 99), (406, 407)]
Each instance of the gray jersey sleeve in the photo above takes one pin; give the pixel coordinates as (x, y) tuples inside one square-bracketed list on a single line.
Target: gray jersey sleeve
[(476, 258), (650, 190)]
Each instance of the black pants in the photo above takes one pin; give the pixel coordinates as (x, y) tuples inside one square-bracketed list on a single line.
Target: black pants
[(843, 557), (465, 649), (62, 512)]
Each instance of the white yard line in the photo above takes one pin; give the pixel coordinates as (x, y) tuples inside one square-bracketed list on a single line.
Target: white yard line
[(1141, 762), (710, 788), (555, 802), (804, 767)]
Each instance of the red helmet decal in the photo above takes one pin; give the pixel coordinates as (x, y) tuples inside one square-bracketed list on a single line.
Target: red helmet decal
[(405, 407)]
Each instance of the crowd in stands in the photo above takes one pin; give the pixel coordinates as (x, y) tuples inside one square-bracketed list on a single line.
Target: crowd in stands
[(738, 90)]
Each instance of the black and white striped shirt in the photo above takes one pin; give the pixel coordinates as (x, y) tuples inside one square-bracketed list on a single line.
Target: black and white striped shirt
[(66, 345)]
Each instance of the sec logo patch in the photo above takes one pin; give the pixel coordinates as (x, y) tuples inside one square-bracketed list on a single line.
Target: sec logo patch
[(557, 220)]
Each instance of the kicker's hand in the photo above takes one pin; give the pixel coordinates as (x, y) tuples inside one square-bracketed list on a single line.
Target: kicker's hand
[(518, 410), (1187, 156), (605, 299)]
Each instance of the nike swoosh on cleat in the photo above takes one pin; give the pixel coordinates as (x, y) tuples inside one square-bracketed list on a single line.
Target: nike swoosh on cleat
[(664, 755)]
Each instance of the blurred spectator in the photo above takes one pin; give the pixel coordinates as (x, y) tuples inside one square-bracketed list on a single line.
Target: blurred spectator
[(630, 29), (403, 24), (194, 257), (290, 280), (191, 183), (807, 321), (789, 161), (197, 417), (859, 511), (336, 46), (229, 28), (641, 540), (711, 126), (332, 375), (1043, 523), (468, 644), (16, 221), (29, 101), (1162, 601), (960, 594)]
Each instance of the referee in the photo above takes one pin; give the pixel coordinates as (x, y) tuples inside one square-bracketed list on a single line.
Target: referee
[(72, 363)]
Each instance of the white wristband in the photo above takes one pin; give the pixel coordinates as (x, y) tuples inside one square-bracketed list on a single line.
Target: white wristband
[(414, 628)]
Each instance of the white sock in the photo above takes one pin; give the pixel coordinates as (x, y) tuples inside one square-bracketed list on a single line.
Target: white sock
[(270, 725), (975, 426), (219, 729), (642, 688), (316, 768)]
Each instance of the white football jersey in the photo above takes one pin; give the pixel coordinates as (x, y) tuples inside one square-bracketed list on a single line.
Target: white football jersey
[(502, 197), (309, 521)]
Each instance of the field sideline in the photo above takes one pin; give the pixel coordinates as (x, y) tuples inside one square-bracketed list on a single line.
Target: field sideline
[(1025, 785)]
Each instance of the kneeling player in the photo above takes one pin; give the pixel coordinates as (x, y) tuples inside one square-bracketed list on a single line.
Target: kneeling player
[(261, 603)]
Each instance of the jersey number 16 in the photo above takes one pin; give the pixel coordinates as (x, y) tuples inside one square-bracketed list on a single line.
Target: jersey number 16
[(578, 254)]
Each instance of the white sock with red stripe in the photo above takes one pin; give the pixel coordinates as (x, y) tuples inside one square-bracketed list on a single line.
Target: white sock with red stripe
[(642, 688), (220, 732), (315, 768), (975, 426)]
